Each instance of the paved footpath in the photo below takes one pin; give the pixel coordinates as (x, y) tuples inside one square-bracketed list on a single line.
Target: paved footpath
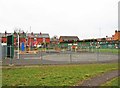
[(101, 79)]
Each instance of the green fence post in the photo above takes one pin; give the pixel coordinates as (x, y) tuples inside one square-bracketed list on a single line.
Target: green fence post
[(10, 47)]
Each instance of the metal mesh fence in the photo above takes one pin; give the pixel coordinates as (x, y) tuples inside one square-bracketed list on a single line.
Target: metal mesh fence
[(63, 54), (85, 55)]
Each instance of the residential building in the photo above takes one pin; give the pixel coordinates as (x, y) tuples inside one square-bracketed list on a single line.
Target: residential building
[(68, 39)]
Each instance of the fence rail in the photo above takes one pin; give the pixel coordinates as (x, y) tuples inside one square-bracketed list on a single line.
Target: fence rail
[(64, 56)]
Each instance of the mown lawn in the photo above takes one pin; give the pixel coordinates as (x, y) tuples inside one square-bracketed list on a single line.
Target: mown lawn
[(113, 82), (53, 75)]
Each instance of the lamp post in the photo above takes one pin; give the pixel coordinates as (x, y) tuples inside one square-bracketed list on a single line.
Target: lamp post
[(30, 39), (18, 40)]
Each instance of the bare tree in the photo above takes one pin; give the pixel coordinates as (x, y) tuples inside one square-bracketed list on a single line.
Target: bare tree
[(18, 30)]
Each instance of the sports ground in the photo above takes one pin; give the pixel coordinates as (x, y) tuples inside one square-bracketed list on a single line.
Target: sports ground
[(65, 69)]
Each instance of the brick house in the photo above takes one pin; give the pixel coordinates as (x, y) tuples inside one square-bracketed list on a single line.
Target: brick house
[(116, 36), (27, 38), (68, 42), (40, 38), (4, 37), (68, 38)]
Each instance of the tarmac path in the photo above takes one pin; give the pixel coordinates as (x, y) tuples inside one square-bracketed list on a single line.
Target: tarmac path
[(100, 79)]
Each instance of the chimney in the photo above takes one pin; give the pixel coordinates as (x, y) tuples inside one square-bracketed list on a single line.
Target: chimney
[(112, 35), (40, 33), (5, 33), (31, 33)]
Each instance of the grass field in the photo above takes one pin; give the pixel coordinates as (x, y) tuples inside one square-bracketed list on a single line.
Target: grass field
[(109, 50), (113, 82), (53, 75), (115, 51)]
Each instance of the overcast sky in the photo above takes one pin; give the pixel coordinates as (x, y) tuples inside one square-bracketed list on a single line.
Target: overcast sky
[(83, 18)]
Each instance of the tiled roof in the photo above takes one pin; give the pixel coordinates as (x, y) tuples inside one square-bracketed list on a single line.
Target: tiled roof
[(37, 35), (70, 38), (3, 34), (34, 35)]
